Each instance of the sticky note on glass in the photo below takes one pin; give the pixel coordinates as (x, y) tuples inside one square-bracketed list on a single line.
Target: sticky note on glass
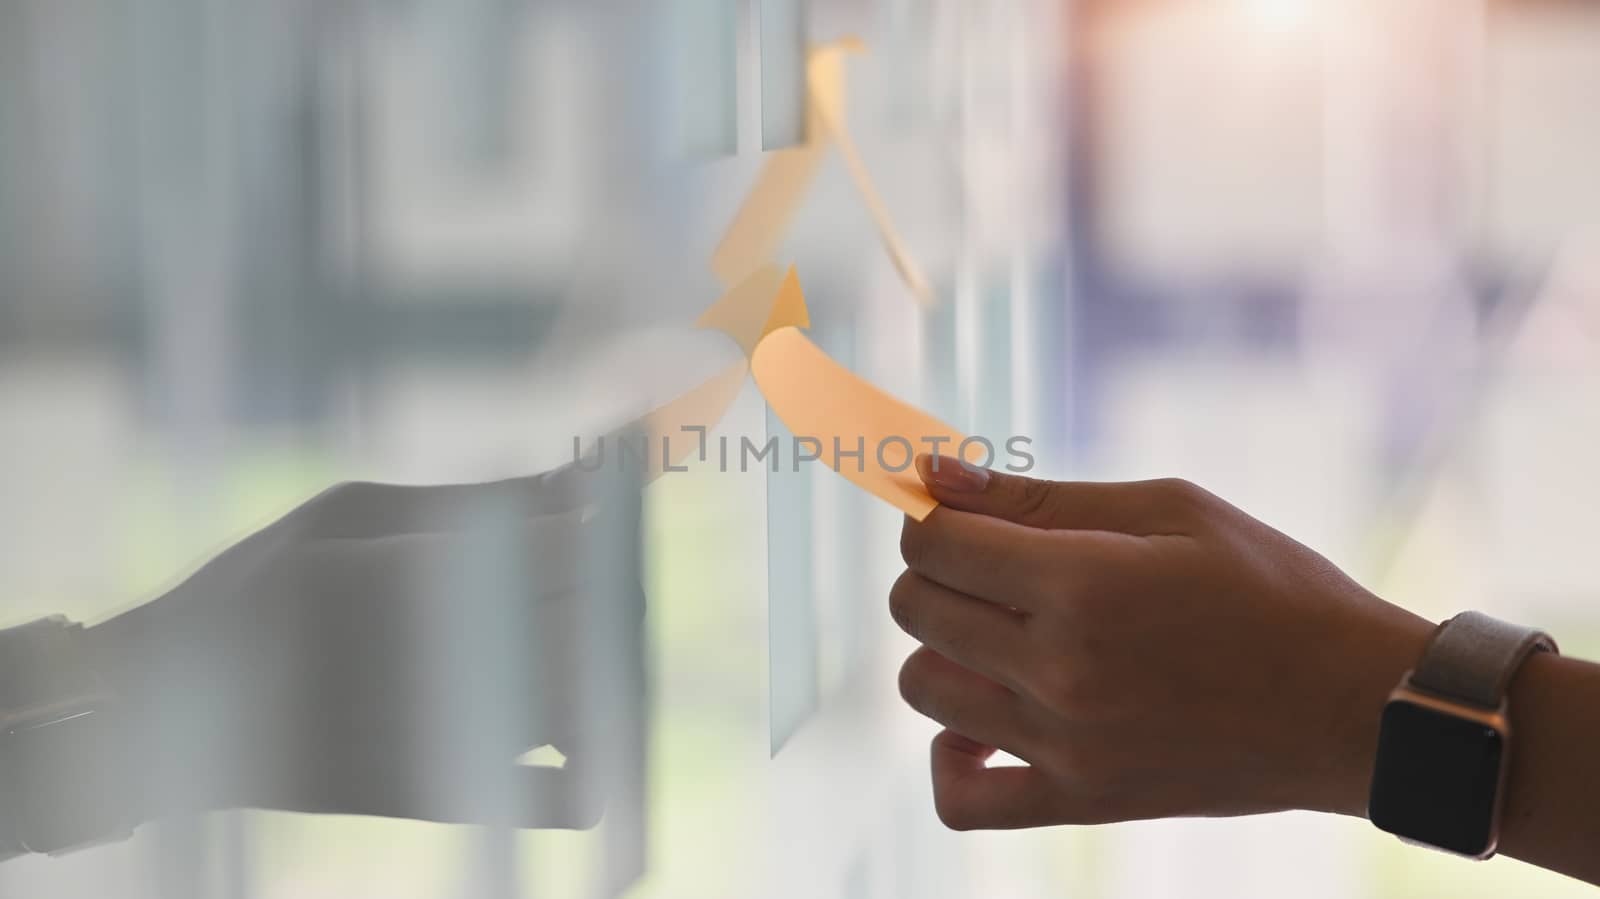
[(764, 217), (846, 423), (750, 310), (859, 431), (836, 418)]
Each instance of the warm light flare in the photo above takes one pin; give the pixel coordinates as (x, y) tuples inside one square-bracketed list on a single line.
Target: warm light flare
[(1278, 16)]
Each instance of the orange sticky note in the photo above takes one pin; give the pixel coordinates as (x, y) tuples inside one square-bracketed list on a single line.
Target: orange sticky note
[(669, 442), (861, 432), (758, 305), (764, 216), (828, 96), (761, 221), (817, 397)]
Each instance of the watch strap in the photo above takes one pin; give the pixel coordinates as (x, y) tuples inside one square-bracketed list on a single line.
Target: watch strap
[(1473, 656)]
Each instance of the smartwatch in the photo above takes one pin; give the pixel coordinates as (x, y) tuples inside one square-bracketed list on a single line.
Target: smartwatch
[(1444, 744), (61, 783)]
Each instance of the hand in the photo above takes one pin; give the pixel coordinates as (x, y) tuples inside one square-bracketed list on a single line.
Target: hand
[(1149, 650), (382, 650)]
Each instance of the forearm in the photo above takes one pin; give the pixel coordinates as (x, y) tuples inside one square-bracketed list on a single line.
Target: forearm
[(1387, 641), (1552, 805)]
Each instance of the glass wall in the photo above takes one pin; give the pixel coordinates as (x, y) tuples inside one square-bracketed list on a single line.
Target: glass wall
[(1339, 262)]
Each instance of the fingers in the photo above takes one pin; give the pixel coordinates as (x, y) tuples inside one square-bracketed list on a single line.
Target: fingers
[(962, 700), (979, 635), (1133, 507), (969, 795), (1006, 563), (362, 509)]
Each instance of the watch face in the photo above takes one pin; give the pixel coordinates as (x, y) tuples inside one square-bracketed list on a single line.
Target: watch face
[(1436, 777)]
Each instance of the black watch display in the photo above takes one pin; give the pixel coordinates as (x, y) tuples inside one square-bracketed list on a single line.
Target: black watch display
[(1445, 738)]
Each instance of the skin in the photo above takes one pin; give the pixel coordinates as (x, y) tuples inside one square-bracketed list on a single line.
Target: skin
[(1151, 651)]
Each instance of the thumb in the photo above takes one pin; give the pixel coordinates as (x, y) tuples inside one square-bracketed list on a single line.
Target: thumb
[(1135, 507)]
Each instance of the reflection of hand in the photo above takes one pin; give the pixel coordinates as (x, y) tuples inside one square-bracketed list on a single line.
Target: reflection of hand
[(1148, 649), (379, 650)]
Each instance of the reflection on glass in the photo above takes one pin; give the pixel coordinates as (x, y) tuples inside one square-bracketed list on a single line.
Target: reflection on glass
[(791, 596), (783, 82), (705, 34)]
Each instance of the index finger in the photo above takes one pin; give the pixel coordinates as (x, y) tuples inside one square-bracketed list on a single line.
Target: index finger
[(989, 558), (1013, 564)]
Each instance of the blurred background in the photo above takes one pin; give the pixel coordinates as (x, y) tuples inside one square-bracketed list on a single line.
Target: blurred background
[(1336, 260)]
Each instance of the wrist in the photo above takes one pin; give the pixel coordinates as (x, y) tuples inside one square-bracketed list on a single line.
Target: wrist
[(1371, 667), (1535, 694)]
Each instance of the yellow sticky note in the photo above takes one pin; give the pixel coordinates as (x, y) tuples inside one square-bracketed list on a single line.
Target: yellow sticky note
[(762, 219), (826, 78), (760, 223), (861, 432), (765, 301), (756, 306), (669, 443), (893, 243), (817, 397)]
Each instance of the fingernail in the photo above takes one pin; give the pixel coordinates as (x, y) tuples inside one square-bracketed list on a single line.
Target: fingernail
[(952, 474)]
